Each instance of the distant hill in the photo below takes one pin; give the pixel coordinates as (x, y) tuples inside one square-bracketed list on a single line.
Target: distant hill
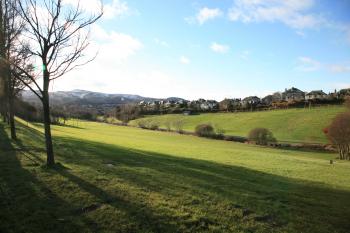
[(88, 99)]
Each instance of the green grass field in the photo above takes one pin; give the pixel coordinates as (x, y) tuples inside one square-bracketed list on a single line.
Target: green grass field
[(293, 125), (122, 179)]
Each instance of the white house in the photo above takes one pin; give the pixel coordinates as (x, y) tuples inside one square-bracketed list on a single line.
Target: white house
[(319, 94)]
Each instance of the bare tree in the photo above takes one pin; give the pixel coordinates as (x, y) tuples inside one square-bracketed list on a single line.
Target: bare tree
[(179, 125), (58, 35), (3, 82), (11, 28), (127, 112), (339, 134)]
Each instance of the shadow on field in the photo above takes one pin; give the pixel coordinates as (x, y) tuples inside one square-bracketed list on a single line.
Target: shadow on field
[(193, 195), (40, 125), (27, 204), (269, 199)]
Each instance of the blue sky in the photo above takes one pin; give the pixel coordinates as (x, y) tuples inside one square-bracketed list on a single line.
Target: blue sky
[(216, 49)]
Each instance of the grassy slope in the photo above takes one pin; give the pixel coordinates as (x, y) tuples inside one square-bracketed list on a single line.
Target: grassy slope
[(295, 125), (162, 182)]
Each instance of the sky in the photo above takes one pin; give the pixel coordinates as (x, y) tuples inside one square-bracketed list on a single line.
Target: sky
[(215, 49)]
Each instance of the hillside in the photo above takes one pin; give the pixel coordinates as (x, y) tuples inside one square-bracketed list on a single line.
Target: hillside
[(61, 98), (292, 125), (89, 98), (121, 179)]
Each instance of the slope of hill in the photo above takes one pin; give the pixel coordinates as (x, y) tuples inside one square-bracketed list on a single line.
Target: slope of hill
[(85, 97), (122, 179), (292, 125), (87, 101)]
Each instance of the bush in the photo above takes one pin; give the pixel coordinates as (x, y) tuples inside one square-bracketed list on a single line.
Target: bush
[(112, 120), (168, 125), (153, 125), (100, 119), (147, 124), (142, 124), (179, 125), (205, 130), (261, 136), (219, 131)]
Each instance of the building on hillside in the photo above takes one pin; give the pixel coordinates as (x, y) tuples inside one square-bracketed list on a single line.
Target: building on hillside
[(251, 101), (209, 105), (236, 103), (293, 94), (344, 93), (267, 100), (316, 95), (168, 103), (275, 97)]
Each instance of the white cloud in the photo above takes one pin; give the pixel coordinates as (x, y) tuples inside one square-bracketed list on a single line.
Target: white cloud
[(339, 68), (113, 46), (116, 71), (184, 60), (343, 28), (110, 70), (206, 14), (161, 42), (339, 86), (293, 13), (308, 64), (115, 8), (145, 81), (245, 54), (301, 34), (219, 48)]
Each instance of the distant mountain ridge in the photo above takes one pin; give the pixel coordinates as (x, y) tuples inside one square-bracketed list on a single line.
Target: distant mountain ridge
[(83, 97)]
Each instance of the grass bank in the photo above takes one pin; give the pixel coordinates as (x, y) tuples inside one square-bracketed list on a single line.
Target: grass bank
[(291, 125)]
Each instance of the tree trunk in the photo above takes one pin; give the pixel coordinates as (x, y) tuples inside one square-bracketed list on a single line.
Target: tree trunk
[(4, 116), (12, 119), (47, 123), (10, 107), (5, 100), (341, 152)]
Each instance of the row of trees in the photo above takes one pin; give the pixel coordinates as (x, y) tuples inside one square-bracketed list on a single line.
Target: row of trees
[(10, 28), (40, 41)]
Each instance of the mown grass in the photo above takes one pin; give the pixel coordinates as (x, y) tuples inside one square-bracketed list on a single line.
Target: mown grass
[(292, 125), (121, 179)]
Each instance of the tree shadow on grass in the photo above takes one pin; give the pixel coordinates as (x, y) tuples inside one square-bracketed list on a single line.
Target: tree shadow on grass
[(40, 125), (276, 201), (28, 204), (194, 195), (137, 218)]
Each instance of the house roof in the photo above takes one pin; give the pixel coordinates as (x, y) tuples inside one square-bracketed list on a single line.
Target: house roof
[(251, 98), (268, 97), (317, 92), (293, 90)]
